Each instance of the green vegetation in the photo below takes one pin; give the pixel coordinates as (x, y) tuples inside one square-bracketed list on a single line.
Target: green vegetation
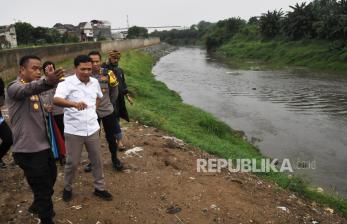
[(27, 35), (157, 106), (137, 32), (310, 34), (191, 36), (314, 54)]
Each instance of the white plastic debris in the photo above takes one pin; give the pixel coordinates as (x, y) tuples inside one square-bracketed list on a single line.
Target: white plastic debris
[(315, 222), (176, 140), (213, 206), (330, 210), (77, 207), (133, 151), (285, 209), (320, 190)]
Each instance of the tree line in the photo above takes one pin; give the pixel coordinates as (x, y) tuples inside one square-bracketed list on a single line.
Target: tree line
[(29, 35), (319, 19)]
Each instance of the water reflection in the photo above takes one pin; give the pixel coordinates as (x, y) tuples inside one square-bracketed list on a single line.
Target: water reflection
[(292, 114)]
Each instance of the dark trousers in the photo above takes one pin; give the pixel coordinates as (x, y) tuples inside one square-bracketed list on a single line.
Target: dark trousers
[(41, 173), (109, 123), (6, 138), (119, 134)]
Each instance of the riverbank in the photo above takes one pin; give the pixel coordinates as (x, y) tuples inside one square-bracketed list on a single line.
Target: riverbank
[(160, 179), (164, 173), (278, 54), (163, 108)]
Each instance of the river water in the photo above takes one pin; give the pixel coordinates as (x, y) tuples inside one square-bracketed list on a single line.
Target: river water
[(298, 115)]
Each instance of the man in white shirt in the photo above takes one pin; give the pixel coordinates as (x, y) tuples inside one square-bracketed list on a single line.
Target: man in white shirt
[(80, 94)]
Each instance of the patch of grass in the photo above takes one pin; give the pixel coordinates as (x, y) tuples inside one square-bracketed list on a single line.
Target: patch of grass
[(275, 54), (160, 107)]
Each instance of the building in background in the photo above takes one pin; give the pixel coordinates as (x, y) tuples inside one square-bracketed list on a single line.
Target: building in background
[(101, 30), (67, 29), (8, 37), (95, 30), (86, 31), (119, 35)]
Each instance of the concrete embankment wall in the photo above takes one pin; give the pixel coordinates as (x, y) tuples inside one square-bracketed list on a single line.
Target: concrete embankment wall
[(9, 59)]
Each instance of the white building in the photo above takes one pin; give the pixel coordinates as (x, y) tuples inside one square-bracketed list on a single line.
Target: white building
[(86, 30), (8, 37)]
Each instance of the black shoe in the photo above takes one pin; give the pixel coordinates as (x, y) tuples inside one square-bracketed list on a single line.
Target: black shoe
[(2, 164), (88, 168), (103, 194), (67, 195), (34, 210), (47, 220), (118, 165)]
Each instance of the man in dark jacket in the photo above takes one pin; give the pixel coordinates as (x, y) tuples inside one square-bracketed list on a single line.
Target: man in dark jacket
[(120, 108), (109, 86)]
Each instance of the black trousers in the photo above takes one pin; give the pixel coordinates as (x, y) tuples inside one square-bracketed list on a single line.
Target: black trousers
[(6, 137), (41, 173), (109, 123)]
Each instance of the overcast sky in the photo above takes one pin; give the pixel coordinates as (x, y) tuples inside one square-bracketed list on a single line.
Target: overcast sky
[(141, 13)]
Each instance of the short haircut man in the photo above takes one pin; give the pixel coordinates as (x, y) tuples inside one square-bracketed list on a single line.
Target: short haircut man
[(79, 94), (31, 148)]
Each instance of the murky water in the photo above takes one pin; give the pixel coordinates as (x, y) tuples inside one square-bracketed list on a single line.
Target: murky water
[(297, 115)]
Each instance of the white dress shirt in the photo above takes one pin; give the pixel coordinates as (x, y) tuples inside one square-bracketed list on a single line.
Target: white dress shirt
[(80, 122)]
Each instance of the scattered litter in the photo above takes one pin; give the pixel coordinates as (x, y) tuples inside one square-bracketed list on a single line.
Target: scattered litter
[(315, 222), (77, 207), (320, 190), (192, 178), (178, 173), (133, 151), (38, 220), (69, 221), (127, 171), (259, 182), (213, 206), (285, 209), (20, 211), (204, 210), (292, 196), (145, 126), (179, 219), (330, 210), (176, 140), (173, 209), (57, 199), (314, 209), (98, 222)]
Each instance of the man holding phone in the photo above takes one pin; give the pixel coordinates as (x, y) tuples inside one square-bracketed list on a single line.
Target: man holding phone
[(31, 148)]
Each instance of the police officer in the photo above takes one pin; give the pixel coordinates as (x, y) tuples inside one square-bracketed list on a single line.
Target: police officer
[(31, 148)]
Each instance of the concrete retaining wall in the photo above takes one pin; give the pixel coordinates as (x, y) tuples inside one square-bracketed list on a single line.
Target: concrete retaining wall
[(128, 44), (9, 59)]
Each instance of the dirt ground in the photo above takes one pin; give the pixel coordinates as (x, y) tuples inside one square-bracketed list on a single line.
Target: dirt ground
[(161, 176)]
